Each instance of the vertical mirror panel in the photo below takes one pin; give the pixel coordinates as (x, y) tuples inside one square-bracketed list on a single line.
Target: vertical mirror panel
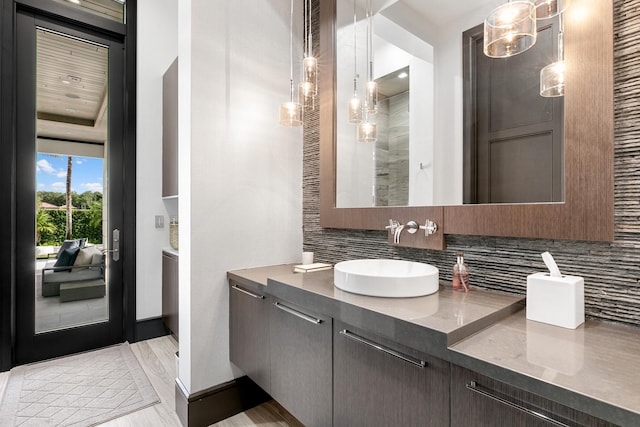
[(71, 277)]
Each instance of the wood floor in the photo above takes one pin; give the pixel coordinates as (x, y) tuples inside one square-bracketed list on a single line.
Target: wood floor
[(269, 414), (156, 357)]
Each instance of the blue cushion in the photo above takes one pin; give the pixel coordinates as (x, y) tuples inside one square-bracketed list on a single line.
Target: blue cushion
[(66, 258), (68, 244)]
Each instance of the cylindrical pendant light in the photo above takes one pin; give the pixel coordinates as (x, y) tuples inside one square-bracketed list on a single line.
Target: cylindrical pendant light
[(310, 67), (552, 80), (355, 110), (510, 29), (291, 111), (305, 96), (550, 8), (367, 132), (552, 76)]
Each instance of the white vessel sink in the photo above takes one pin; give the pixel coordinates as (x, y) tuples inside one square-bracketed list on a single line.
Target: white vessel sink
[(386, 278)]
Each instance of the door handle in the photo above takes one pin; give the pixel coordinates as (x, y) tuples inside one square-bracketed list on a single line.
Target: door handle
[(115, 246)]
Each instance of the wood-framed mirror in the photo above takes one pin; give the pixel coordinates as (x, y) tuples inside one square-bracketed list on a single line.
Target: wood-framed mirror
[(586, 212)]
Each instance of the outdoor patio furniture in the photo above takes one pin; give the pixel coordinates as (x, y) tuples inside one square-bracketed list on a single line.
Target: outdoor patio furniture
[(53, 276), (74, 291)]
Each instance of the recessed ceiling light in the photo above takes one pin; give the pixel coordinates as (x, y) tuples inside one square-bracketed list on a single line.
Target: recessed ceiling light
[(403, 75), (74, 1)]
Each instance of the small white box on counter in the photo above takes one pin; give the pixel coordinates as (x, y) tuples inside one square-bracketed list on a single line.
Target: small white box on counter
[(555, 300)]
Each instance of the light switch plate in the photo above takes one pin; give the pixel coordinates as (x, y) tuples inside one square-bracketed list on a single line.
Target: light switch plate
[(159, 221)]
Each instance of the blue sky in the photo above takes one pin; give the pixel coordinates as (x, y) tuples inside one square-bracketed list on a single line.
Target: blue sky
[(51, 172)]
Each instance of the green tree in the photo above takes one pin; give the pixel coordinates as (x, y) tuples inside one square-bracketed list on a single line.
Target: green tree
[(44, 224), (52, 197), (68, 196), (95, 215), (69, 199)]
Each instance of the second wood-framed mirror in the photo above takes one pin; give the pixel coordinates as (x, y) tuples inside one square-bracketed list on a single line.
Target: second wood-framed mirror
[(586, 212)]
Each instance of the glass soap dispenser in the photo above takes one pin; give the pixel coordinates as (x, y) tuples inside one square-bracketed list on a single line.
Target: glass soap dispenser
[(460, 274)]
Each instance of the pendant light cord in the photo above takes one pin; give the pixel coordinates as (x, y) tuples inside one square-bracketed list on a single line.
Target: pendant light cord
[(370, 40), (291, 49), (355, 51), (308, 29), (560, 37)]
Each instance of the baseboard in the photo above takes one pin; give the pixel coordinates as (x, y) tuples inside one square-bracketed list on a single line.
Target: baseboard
[(214, 404), (147, 329)]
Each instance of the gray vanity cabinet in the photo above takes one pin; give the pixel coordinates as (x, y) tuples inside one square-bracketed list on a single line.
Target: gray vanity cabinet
[(479, 401), (301, 362), (379, 383), (170, 271), (249, 332)]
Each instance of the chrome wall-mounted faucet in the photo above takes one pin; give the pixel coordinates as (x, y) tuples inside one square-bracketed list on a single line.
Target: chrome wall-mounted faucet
[(430, 227)]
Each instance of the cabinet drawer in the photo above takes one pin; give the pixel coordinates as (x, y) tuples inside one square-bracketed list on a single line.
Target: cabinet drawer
[(249, 332), (380, 383), (301, 362), (477, 400), (170, 292)]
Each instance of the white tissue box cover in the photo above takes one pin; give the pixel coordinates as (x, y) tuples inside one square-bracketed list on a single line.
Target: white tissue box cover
[(555, 300)]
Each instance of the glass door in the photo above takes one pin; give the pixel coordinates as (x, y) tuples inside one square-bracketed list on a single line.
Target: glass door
[(69, 199)]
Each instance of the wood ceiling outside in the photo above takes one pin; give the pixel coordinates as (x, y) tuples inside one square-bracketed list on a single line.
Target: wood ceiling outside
[(106, 8), (72, 88)]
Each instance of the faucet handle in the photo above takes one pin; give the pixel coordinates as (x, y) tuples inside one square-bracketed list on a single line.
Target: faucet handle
[(430, 227), (393, 225)]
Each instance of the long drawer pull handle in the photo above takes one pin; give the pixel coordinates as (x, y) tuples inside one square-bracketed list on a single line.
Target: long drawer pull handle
[(473, 386), (251, 294), (297, 313), (409, 359)]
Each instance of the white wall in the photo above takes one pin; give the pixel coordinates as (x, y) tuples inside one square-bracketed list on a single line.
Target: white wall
[(157, 48), (240, 172)]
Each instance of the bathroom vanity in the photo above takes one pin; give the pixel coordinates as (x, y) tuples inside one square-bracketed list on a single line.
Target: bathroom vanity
[(335, 358)]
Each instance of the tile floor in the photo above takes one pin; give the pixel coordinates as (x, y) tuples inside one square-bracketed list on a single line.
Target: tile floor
[(51, 314)]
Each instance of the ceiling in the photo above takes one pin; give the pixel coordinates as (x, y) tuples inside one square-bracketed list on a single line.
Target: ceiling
[(434, 12), (72, 88), (444, 11), (112, 9), (392, 84)]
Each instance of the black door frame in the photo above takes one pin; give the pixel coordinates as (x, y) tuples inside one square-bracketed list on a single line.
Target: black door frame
[(8, 235)]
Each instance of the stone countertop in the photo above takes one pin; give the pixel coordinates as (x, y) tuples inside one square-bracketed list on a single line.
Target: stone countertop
[(594, 368), (259, 275), (429, 323), (454, 314)]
